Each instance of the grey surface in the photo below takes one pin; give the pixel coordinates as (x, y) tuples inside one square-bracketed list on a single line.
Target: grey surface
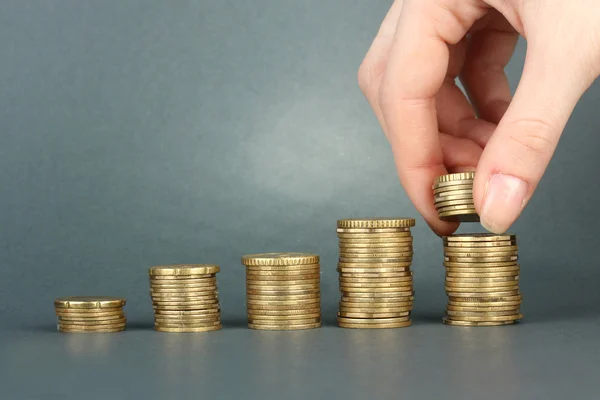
[(136, 133)]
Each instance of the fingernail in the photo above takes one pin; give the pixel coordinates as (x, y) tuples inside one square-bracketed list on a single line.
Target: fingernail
[(503, 201)]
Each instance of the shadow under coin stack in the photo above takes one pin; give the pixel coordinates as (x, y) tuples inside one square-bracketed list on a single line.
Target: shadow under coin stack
[(453, 197), (283, 291), (185, 298), (90, 314), (374, 272), (482, 280)]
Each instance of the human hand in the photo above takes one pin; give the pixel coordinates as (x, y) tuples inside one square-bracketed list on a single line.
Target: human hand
[(408, 77)]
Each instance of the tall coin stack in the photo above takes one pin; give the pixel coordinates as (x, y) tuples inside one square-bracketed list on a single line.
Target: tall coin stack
[(283, 291), (185, 298), (482, 280), (90, 314), (453, 197), (374, 272)]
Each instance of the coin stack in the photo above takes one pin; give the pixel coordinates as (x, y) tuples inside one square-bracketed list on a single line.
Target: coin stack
[(453, 197), (482, 280), (90, 314), (283, 291), (185, 298), (374, 272)]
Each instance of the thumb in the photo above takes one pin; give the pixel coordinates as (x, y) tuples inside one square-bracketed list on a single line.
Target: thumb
[(517, 154)]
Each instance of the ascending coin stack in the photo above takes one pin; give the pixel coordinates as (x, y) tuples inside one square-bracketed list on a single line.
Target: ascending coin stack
[(90, 314), (185, 298), (283, 291), (453, 197), (374, 272), (482, 274), (482, 280)]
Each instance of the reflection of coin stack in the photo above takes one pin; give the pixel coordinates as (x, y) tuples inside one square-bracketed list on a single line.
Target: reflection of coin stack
[(90, 314), (283, 291), (482, 280), (453, 197), (185, 298), (374, 272)]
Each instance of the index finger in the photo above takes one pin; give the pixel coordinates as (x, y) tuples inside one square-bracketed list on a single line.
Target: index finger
[(416, 70)]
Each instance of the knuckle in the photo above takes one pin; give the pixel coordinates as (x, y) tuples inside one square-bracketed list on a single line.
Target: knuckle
[(370, 75), (534, 135)]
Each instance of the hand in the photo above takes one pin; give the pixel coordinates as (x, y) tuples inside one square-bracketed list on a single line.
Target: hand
[(409, 75)]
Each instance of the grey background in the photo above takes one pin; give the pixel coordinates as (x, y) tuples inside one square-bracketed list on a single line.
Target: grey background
[(136, 133)]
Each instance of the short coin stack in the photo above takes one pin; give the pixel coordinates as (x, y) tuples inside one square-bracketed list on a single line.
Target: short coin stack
[(185, 298), (482, 280), (90, 314), (283, 291), (374, 272), (453, 197)]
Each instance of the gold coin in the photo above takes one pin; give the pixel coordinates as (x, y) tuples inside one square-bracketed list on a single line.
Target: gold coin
[(480, 245), (282, 283), (296, 318), (378, 264), (65, 329), (379, 311), (280, 259), (481, 249), (476, 275), (481, 287), (484, 260), (385, 241), (450, 196), (205, 291), (487, 318), (88, 313), (375, 249), (453, 184), (171, 321), (366, 288), (284, 288), (371, 230), (373, 316), (184, 269), (461, 207), (89, 302), (384, 303), (185, 324), (284, 269), (377, 280), (374, 270), (375, 260), (459, 314), (513, 308), (286, 312), (345, 320), (472, 323), (85, 327), (276, 297), (376, 223), (212, 310), (374, 236), (182, 307), (516, 297), (92, 319), (265, 327), (376, 275), (375, 253), (186, 302), (483, 256), (187, 329), (479, 268), (401, 324), (510, 279), (488, 296), (168, 288), (353, 285), (458, 176), (297, 303), (282, 278), (110, 322), (479, 237), (401, 295), (184, 296), (453, 191), (177, 279), (444, 205), (475, 305), (184, 281)]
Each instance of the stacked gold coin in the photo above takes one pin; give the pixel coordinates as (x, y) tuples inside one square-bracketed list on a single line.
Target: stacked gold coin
[(482, 280), (283, 291), (453, 197), (185, 298), (374, 272), (90, 314)]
